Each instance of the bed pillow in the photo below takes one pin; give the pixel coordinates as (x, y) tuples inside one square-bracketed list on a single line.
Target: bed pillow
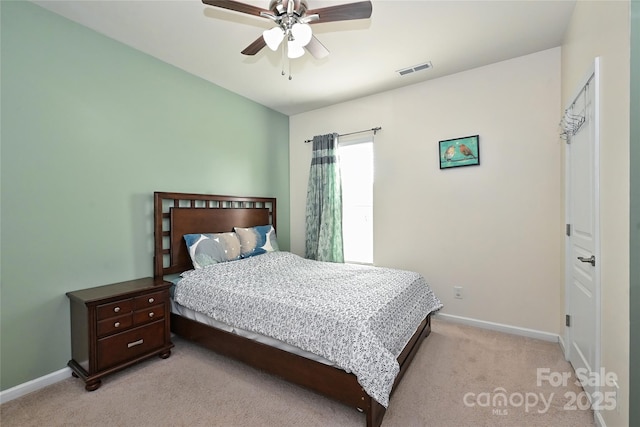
[(207, 249), (257, 240)]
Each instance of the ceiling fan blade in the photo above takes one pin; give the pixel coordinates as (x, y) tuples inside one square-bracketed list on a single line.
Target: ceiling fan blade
[(236, 6), (254, 47), (343, 12), (317, 49)]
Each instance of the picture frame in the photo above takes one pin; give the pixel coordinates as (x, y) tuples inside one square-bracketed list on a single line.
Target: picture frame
[(458, 152)]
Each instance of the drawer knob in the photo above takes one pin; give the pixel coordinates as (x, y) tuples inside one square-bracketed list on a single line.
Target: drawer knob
[(116, 325), (151, 314), (151, 300), (116, 309)]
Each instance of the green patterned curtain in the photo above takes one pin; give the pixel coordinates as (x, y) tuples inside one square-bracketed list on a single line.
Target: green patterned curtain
[(324, 202)]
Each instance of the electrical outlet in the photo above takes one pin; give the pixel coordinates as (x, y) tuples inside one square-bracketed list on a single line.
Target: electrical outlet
[(457, 292)]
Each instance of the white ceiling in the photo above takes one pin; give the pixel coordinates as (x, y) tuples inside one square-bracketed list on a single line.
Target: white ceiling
[(365, 54)]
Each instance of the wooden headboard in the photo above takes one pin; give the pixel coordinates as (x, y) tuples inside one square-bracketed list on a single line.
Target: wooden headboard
[(177, 214)]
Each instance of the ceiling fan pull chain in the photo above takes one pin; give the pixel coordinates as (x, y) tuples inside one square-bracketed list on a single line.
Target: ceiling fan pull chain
[(290, 69), (283, 59)]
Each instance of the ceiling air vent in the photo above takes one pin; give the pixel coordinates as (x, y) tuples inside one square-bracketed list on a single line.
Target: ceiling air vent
[(415, 68)]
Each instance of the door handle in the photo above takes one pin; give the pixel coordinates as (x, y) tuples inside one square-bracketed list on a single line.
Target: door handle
[(591, 260)]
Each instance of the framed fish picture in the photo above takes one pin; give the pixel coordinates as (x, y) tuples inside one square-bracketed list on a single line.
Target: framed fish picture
[(460, 152)]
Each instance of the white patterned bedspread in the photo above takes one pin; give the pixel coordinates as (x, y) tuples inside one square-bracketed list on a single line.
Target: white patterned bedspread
[(359, 317)]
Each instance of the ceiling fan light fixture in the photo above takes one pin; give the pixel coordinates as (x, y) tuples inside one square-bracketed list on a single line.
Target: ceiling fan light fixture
[(273, 37), (301, 33), (294, 50)]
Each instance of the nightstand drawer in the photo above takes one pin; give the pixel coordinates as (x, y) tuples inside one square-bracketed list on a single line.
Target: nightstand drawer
[(148, 300), (150, 314), (115, 308), (115, 324), (128, 345)]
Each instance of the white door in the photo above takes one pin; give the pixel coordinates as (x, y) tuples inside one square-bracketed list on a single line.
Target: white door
[(583, 268)]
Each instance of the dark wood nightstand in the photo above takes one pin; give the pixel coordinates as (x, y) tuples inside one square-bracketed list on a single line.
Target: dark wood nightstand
[(115, 326)]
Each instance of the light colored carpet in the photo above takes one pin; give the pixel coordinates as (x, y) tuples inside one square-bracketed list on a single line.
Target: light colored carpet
[(196, 387)]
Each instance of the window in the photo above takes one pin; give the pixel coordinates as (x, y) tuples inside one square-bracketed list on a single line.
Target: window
[(356, 168)]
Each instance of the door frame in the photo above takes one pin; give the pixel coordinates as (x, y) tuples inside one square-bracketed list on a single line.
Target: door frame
[(592, 78)]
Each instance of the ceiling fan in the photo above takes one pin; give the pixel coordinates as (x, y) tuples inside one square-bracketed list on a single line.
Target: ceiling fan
[(292, 19)]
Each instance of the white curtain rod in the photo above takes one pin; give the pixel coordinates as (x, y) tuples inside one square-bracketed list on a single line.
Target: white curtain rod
[(374, 130)]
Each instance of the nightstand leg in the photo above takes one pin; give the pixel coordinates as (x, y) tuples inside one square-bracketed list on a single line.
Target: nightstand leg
[(93, 385), (165, 354)]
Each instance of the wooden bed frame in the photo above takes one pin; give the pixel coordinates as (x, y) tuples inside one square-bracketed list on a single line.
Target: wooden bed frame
[(177, 214)]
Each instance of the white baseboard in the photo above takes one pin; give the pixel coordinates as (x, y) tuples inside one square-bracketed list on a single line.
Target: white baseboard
[(562, 346), (33, 385), (500, 327)]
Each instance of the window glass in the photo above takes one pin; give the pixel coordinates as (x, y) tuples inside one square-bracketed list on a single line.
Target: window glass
[(356, 168)]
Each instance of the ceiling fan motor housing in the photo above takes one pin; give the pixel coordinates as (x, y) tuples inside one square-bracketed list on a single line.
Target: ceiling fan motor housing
[(280, 7)]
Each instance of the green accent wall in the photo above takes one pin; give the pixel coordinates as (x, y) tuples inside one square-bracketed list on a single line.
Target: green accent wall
[(634, 256), (90, 129)]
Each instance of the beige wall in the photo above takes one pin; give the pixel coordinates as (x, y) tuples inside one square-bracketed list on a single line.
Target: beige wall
[(494, 229), (601, 28)]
